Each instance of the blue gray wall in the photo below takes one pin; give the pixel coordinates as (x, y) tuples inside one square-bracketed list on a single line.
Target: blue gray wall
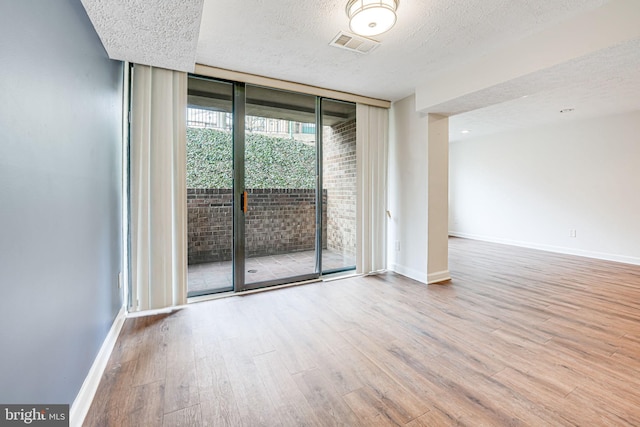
[(60, 198)]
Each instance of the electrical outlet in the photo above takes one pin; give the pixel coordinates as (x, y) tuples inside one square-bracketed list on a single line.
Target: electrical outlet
[(120, 280), (572, 232)]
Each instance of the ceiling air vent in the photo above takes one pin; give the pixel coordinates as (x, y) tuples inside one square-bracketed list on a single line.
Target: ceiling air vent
[(354, 43)]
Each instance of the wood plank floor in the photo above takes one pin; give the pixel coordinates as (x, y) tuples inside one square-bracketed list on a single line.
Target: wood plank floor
[(519, 337)]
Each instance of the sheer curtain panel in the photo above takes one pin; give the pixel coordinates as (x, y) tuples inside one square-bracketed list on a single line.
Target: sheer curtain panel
[(372, 133), (158, 188)]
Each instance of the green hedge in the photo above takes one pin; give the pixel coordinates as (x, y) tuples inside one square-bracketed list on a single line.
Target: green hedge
[(269, 162)]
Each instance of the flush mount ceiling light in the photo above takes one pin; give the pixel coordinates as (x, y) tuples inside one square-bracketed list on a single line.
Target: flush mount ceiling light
[(371, 17)]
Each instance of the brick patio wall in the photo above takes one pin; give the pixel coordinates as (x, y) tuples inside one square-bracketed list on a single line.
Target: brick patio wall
[(278, 221), (339, 181)]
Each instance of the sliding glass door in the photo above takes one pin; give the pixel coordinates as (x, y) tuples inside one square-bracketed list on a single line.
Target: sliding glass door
[(209, 186), (280, 169), (259, 214), (339, 185)]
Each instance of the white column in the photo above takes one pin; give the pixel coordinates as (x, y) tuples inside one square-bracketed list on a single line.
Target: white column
[(438, 199)]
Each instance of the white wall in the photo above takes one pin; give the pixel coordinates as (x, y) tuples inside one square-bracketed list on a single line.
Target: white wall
[(407, 200), (532, 187), (438, 199)]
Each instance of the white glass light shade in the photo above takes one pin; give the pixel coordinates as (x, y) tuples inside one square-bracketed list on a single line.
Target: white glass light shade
[(371, 17)]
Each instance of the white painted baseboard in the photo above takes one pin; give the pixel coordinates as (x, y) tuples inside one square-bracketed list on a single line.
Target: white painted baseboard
[(411, 273), (438, 277), (83, 400), (155, 311), (550, 248)]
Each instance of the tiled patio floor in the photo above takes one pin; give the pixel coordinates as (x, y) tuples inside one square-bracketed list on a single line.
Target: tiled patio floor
[(217, 276)]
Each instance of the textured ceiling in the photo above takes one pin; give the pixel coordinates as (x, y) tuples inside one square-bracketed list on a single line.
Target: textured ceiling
[(289, 40), (162, 33), (603, 83)]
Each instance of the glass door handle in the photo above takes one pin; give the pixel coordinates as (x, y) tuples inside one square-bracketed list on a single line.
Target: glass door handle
[(244, 201)]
